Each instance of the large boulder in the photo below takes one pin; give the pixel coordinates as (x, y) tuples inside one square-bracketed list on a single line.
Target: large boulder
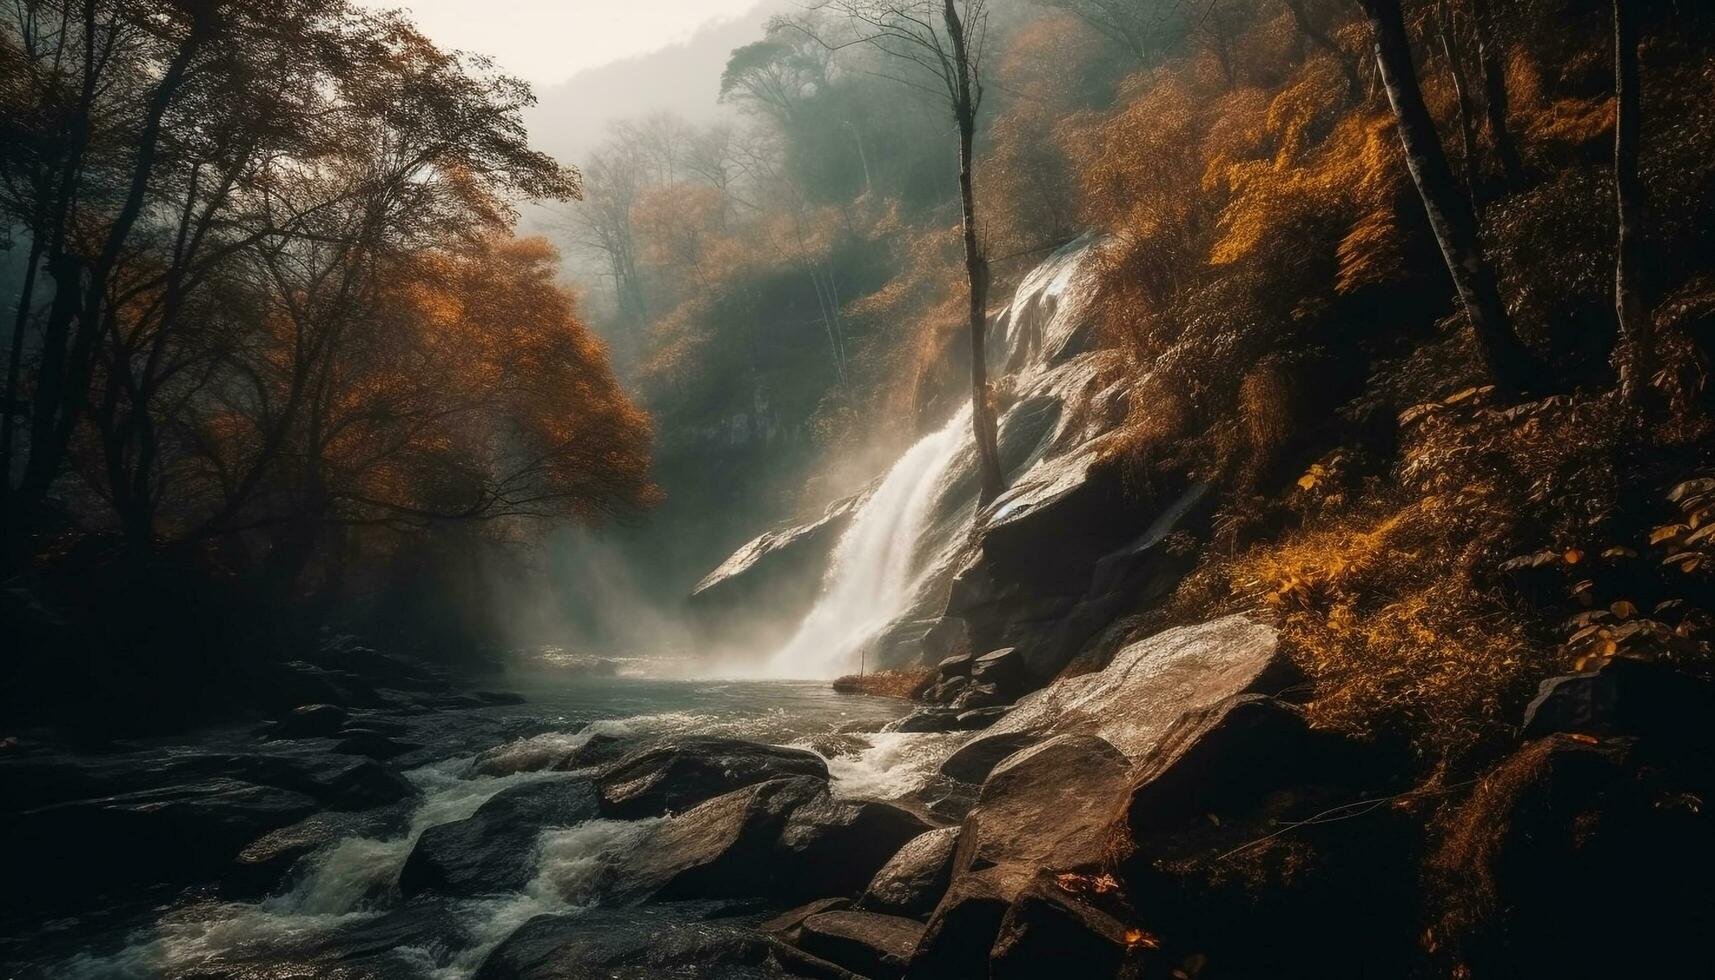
[(310, 721), (1045, 807), (534, 753), (494, 850), (1150, 684), (779, 572), (63, 856), (1048, 931), (867, 943), (722, 848), (686, 941), (973, 761), (679, 775), (1250, 838), (1068, 548), (1566, 818), (834, 846), (915, 878)]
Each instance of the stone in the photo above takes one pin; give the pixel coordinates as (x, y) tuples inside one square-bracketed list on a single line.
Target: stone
[(957, 939), (958, 665), (494, 849), (1151, 683), (873, 945), (684, 773), (1048, 806), (787, 922), (977, 719), (926, 720), (1623, 696), (1004, 668), (835, 846), (977, 696), (916, 877), (310, 721), (973, 761), (374, 745), (722, 848), (1048, 932)]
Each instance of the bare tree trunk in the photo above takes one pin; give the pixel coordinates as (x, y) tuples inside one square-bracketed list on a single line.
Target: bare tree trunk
[(15, 361), (1461, 94), (1636, 349), (1495, 93), (976, 268), (1449, 211)]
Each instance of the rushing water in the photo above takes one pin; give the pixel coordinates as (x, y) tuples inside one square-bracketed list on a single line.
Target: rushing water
[(889, 550), (870, 575), (342, 898)]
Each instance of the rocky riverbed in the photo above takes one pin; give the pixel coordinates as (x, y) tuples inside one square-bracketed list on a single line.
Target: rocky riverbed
[(1169, 815)]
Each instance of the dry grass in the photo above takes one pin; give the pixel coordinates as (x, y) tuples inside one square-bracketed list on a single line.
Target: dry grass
[(908, 684)]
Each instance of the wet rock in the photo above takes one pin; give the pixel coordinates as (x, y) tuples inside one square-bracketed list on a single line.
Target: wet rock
[(867, 943), (721, 848), (61, 856), (269, 859), (980, 718), (599, 750), (1048, 932), (310, 721), (973, 761), (374, 745), (1064, 551), (945, 691), (364, 785), (494, 850), (778, 572), (1003, 668), (1217, 793), (916, 877), (834, 846), (1150, 684), (1048, 806), (978, 696), (958, 665), (963, 927), (925, 720), (787, 922), (689, 941), (684, 773)]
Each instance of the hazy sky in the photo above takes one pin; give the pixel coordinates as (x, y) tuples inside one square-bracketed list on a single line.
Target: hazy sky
[(547, 41)]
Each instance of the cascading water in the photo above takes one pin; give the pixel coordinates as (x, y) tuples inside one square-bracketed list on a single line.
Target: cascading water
[(870, 574), (875, 569)]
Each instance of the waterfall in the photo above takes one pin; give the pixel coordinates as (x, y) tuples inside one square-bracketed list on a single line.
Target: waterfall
[(874, 570), (870, 574)]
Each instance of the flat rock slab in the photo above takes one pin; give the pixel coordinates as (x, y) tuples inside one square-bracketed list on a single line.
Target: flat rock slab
[(1151, 683), (874, 945), (682, 774)]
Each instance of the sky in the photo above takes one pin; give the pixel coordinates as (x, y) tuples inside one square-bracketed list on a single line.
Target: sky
[(547, 41)]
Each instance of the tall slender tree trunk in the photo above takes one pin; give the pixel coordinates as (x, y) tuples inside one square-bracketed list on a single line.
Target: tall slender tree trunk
[(1449, 211), (15, 359), (1495, 92), (1636, 348), (976, 267), (1461, 94)]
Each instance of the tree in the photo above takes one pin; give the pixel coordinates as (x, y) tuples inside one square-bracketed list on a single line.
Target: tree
[(1449, 211), (1495, 92), (1636, 349), (944, 42)]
